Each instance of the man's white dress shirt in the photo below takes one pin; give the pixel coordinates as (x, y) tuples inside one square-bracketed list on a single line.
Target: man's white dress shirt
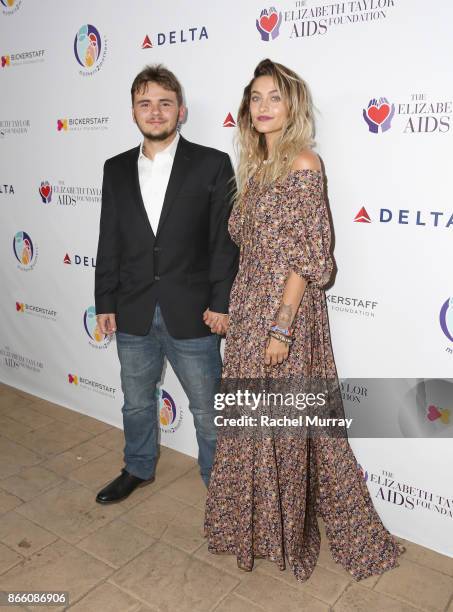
[(153, 175)]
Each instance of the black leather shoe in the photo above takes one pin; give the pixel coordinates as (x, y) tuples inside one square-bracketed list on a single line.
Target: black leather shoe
[(121, 487)]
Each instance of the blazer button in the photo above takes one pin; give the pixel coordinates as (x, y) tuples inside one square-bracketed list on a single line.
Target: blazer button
[(156, 277)]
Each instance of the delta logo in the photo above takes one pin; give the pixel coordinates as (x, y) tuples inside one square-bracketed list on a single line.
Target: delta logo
[(268, 24), (189, 35), (6, 189), (69, 195), (20, 59), (89, 49), (362, 216), (9, 7), (419, 115), (87, 384), (97, 339), (78, 124), (25, 251), (170, 416), (433, 218), (79, 260), (229, 121)]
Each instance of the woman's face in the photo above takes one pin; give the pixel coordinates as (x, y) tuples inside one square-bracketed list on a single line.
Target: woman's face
[(268, 110)]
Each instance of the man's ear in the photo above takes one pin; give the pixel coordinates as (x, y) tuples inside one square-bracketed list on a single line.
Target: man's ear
[(182, 113), (133, 115)]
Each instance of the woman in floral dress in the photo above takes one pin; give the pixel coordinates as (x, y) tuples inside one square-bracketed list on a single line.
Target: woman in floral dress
[(266, 491)]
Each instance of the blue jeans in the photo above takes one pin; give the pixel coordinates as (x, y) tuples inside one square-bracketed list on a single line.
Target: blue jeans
[(197, 365)]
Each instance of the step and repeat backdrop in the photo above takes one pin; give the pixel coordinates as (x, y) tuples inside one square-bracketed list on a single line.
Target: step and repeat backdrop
[(380, 76)]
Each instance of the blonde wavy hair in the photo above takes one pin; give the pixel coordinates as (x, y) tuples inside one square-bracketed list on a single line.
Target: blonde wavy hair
[(297, 133)]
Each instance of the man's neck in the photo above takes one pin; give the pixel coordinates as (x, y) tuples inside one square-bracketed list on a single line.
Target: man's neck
[(151, 147)]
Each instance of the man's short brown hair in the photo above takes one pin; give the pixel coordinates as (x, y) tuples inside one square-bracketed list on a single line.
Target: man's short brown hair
[(157, 73)]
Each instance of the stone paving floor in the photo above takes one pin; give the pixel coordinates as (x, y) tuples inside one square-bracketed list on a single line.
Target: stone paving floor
[(148, 552)]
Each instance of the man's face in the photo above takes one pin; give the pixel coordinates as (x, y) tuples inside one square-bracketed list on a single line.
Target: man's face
[(156, 112)]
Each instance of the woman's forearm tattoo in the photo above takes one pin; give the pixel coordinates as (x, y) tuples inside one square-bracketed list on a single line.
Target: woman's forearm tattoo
[(284, 316)]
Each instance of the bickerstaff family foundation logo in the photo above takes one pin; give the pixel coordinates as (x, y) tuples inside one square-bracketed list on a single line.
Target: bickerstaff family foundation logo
[(352, 305), (170, 416), (11, 60), (87, 384), (36, 311), (25, 251), (97, 339), (89, 49), (78, 124), (9, 7)]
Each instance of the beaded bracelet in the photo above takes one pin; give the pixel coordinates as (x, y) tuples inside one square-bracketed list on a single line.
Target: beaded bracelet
[(286, 331), (281, 337)]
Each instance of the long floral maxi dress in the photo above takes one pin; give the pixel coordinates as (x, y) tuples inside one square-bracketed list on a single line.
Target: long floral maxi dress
[(265, 493)]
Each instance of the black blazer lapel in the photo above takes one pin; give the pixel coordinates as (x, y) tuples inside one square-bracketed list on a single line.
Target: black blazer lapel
[(135, 186), (177, 176)]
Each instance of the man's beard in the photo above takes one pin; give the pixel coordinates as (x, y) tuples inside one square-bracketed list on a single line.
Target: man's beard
[(159, 136)]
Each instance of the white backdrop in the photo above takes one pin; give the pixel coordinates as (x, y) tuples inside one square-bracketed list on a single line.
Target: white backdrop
[(389, 305)]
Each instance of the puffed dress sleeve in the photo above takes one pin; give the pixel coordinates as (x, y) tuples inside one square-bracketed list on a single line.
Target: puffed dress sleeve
[(308, 228)]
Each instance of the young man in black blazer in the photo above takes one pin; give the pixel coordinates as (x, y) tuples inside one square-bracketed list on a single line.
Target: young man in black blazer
[(164, 270)]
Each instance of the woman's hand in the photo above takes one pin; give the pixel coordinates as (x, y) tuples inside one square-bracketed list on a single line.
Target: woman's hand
[(276, 352), (216, 321)]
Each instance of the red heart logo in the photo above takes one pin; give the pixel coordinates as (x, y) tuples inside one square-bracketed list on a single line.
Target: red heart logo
[(268, 23), (45, 190), (70, 378), (379, 115), (433, 413)]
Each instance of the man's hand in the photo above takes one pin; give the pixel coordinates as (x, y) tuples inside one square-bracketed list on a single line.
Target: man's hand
[(216, 321), (106, 323), (276, 352)]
